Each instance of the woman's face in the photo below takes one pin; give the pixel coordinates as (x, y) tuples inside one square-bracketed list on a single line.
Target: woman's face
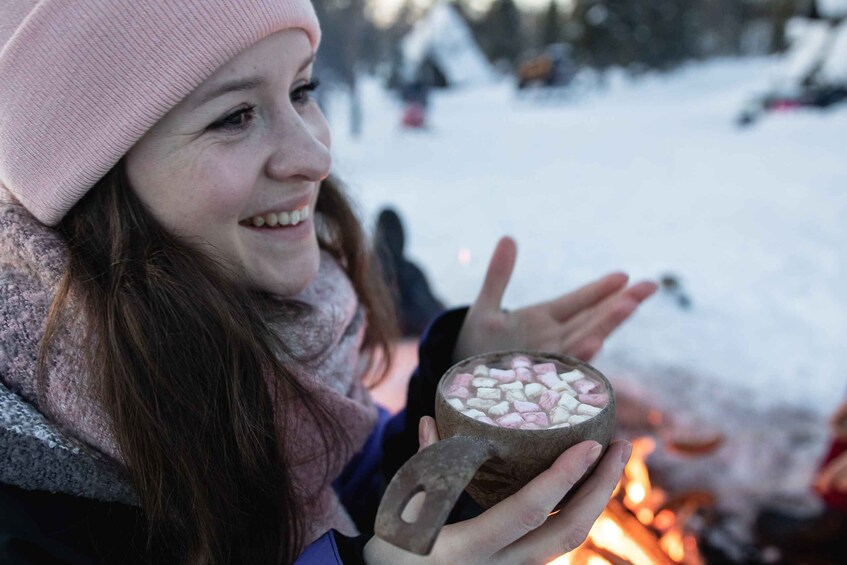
[(236, 166)]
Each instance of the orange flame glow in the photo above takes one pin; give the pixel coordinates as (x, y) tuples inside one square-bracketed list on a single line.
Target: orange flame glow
[(659, 538)]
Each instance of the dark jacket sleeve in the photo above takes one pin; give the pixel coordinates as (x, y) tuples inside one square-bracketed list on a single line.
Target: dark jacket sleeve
[(43, 528), (435, 356)]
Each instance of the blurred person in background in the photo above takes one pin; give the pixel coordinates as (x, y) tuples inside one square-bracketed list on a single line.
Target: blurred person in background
[(414, 303), (822, 535)]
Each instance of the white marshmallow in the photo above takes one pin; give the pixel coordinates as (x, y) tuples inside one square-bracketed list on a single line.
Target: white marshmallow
[(573, 420), (456, 403), (481, 403), (517, 385), (571, 376), (515, 395), (489, 393), (480, 371), (534, 390), (564, 387), (473, 413), (588, 410), (503, 375), (500, 409), (483, 382), (569, 402), (560, 414)]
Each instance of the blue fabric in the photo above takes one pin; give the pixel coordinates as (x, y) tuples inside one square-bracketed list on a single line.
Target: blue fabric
[(360, 485), (322, 551)]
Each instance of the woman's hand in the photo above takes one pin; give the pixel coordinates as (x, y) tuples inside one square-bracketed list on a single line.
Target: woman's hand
[(576, 323), (833, 477), (518, 530)]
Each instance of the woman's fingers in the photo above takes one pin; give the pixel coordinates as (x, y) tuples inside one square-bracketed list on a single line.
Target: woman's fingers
[(568, 529), (528, 508), (599, 322), (500, 268), (593, 293)]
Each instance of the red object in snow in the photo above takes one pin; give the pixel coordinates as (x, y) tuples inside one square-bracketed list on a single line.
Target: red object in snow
[(414, 116), (835, 499), (786, 105)]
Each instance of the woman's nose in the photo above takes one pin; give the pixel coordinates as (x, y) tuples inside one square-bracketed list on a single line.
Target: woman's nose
[(301, 148)]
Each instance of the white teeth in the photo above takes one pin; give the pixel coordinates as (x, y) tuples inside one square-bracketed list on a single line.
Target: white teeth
[(272, 219)]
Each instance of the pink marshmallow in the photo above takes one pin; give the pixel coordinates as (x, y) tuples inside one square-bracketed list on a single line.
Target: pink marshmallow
[(598, 399), (537, 418), (583, 386), (521, 361), (530, 427), (521, 406), (542, 368), (454, 391), (486, 420), (511, 420), (549, 399), (524, 375), (463, 379), (549, 379), (504, 376)]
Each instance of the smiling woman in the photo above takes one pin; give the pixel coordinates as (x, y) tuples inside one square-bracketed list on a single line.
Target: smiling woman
[(252, 150), (189, 308)]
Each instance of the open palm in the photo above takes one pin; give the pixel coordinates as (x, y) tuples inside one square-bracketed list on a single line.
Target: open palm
[(576, 323)]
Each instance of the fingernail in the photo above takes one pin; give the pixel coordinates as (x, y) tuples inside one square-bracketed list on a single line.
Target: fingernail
[(593, 454), (626, 452), (423, 431)]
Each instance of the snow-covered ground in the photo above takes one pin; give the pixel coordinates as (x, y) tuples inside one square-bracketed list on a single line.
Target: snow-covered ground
[(649, 177)]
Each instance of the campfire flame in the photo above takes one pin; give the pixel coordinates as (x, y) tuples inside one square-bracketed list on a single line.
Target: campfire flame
[(639, 526)]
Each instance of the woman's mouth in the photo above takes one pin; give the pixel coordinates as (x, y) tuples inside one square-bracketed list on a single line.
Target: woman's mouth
[(279, 219)]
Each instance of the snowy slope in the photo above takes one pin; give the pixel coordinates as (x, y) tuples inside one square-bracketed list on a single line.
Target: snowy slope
[(650, 178)]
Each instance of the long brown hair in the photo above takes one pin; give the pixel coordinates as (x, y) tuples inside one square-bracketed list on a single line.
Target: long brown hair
[(180, 356)]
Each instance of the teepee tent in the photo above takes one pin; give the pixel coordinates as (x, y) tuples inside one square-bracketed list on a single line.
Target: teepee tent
[(441, 50)]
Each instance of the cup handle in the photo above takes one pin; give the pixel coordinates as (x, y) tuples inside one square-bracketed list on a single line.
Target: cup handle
[(441, 470)]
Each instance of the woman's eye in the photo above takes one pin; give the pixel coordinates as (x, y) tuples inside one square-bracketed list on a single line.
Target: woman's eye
[(302, 94), (235, 121)]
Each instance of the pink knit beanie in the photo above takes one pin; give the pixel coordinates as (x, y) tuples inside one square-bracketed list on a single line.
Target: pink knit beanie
[(82, 80)]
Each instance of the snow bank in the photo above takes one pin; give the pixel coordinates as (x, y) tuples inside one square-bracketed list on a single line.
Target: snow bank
[(651, 178)]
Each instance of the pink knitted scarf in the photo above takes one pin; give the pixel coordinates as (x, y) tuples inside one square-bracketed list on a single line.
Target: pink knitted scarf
[(32, 258)]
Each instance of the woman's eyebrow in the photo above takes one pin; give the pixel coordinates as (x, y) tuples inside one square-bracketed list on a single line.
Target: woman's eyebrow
[(240, 85)]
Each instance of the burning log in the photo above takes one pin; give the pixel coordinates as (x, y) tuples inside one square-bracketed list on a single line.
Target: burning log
[(640, 536), (606, 554)]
